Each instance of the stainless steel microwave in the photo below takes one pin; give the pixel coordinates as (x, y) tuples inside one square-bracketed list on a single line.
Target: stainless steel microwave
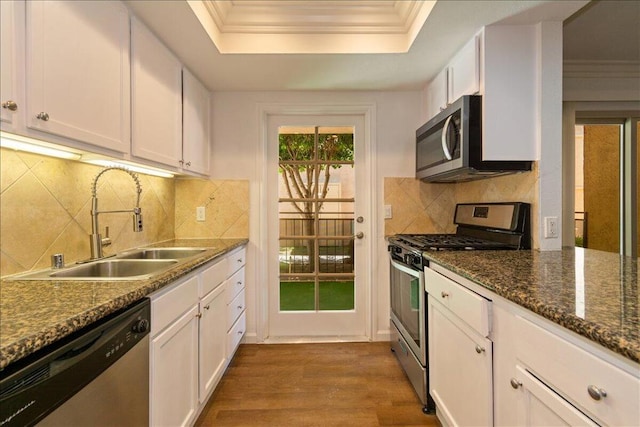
[(449, 146)]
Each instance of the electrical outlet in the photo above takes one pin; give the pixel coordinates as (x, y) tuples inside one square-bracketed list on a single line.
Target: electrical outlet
[(550, 227), (388, 213), (200, 215)]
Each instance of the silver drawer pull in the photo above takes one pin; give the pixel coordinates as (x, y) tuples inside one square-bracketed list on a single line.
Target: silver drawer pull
[(240, 332), (479, 349), (515, 383), (239, 282), (239, 307), (43, 116), (444, 294), (239, 259), (596, 393)]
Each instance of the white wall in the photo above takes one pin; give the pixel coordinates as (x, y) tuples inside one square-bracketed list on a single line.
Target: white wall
[(237, 154)]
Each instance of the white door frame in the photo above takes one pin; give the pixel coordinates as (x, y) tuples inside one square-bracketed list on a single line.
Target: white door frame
[(265, 111)]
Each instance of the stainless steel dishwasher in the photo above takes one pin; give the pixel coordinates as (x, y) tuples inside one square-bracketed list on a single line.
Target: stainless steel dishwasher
[(97, 377)]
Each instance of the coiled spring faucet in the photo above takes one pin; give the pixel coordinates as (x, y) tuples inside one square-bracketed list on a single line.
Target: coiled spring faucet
[(96, 241)]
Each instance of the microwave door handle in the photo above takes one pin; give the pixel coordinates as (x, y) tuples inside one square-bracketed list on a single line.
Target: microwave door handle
[(445, 145)]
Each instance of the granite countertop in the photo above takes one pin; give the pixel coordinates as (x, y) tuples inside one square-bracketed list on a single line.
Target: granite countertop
[(592, 293), (37, 313)]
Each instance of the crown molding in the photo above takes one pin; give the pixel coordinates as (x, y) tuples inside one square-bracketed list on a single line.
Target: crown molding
[(320, 26)]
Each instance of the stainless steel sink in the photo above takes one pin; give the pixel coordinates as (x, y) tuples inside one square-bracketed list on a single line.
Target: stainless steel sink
[(113, 269), (162, 253)]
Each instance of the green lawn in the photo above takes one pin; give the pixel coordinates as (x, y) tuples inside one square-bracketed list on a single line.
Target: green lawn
[(300, 296)]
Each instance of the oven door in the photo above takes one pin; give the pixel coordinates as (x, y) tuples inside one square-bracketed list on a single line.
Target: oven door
[(408, 307)]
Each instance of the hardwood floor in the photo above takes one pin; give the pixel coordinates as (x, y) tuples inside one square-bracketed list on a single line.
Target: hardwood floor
[(338, 384)]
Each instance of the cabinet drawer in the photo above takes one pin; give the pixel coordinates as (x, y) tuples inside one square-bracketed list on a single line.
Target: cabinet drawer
[(235, 309), (466, 304), (171, 304), (571, 371), (235, 335), (236, 260), (235, 284), (213, 276)]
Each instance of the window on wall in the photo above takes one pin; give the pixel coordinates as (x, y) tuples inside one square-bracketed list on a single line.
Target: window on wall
[(606, 185)]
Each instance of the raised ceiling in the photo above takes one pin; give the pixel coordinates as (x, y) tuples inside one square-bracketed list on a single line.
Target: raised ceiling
[(317, 26), (449, 26)]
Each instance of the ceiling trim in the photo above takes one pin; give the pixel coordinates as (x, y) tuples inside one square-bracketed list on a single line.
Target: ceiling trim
[(318, 26)]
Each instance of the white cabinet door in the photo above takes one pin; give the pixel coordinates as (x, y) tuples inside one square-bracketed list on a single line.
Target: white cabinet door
[(9, 63), (78, 71), (464, 71), (174, 372), (538, 405), (437, 94), (195, 126), (460, 369), (213, 336), (156, 99)]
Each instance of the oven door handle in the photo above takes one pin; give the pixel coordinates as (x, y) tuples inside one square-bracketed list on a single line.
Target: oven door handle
[(404, 268)]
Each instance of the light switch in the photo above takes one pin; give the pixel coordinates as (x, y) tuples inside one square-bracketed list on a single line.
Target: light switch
[(200, 214), (388, 214)]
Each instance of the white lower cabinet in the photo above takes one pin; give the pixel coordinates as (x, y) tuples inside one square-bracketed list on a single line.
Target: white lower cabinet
[(460, 357), (174, 372), (190, 345), (493, 362), (213, 334), (539, 405)]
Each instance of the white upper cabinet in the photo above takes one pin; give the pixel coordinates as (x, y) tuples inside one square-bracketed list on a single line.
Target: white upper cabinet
[(499, 63), (195, 126), (8, 72), (436, 93), (464, 71), (511, 89), (156, 99), (460, 77), (78, 71)]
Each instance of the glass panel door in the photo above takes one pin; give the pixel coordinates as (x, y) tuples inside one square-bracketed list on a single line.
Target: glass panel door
[(316, 215)]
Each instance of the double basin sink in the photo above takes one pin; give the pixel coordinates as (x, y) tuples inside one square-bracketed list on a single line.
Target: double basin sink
[(136, 264)]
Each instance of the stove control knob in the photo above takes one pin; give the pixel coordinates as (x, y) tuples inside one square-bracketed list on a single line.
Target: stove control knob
[(140, 326), (412, 259)]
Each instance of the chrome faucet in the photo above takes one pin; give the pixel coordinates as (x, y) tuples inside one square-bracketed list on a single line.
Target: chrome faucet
[(96, 241)]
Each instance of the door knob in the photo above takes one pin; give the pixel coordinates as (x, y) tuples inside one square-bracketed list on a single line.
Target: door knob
[(359, 235), (10, 105), (360, 220)]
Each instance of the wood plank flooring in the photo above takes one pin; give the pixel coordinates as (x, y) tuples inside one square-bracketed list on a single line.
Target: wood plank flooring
[(337, 384)]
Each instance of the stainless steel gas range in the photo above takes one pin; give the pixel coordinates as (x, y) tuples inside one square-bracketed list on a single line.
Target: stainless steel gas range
[(480, 226)]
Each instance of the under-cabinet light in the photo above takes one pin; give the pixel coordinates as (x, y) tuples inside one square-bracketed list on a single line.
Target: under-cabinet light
[(131, 166), (18, 143)]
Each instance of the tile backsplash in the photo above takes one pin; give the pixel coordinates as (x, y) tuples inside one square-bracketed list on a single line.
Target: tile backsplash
[(45, 206), (420, 207)]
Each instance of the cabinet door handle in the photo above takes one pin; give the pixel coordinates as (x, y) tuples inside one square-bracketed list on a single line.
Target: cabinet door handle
[(239, 259), (43, 116), (479, 349), (239, 307), (596, 393), (240, 332), (443, 294), (199, 315), (10, 105), (188, 164), (206, 307), (515, 383)]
